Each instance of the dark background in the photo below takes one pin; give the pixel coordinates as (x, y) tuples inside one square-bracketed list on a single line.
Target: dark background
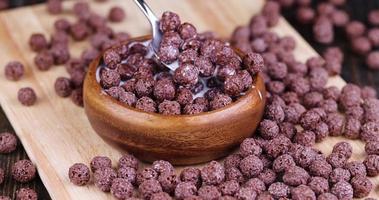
[(354, 70)]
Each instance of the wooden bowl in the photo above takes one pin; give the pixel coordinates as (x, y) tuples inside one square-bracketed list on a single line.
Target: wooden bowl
[(182, 139)]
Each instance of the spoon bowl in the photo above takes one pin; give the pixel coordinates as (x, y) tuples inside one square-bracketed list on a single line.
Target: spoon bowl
[(180, 139)]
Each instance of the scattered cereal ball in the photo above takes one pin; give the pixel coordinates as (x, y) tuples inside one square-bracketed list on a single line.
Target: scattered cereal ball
[(279, 190), (246, 193), (372, 147), (149, 187), (323, 30), (339, 174), (14, 70), (343, 190), (373, 17), (283, 163), (256, 185), (121, 188), (249, 147), (209, 192), (352, 128), (111, 58), (220, 101), (79, 174), (355, 29), (116, 14), (162, 167), (344, 148), (23, 171), (38, 42), (164, 89), (319, 185), (63, 86), (251, 166), (302, 192), (362, 186), (146, 104), (305, 15), (229, 187), (160, 196), (187, 31), (372, 60), (44, 60), (253, 63), (369, 131), (62, 25), (168, 181), (320, 168), (8, 143), (306, 138), (79, 31), (327, 196), (184, 190), (186, 74), (103, 178), (127, 173), (128, 160), (169, 108), (77, 97), (54, 6), (2, 176), (361, 45), (100, 162), (268, 176), (169, 22), (190, 174), (146, 174), (372, 165), (60, 53), (296, 176), (26, 194), (356, 168), (213, 173)]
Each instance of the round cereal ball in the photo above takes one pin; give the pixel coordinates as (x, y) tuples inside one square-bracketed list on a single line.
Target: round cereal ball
[(372, 147), (2, 176), (268, 176), (356, 168), (23, 171), (279, 190), (305, 138), (209, 192), (327, 196), (184, 190), (283, 163), (372, 60), (302, 192), (26, 194), (319, 185), (8, 143), (234, 173), (343, 190), (256, 185), (362, 186), (169, 108), (79, 174), (169, 22), (251, 166), (128, 160), (213, 173), (320, 168), (249, 147), (14, 70), (149, 187), (339, 174), (160, 196), (103, 178), (121, 188), (337, 160), (26, 96), (268, 129), (372, 165), (232, 160), (168, 182), (100, 162), (246, 193), (190, 174), (127, 173), (146, 174), (277, 146), (343, 148), (220, 101), (116, 14), (162, 167), (229, 187), (296, 176)]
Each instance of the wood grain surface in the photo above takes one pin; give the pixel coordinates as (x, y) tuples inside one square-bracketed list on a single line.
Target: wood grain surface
[(55, 132)]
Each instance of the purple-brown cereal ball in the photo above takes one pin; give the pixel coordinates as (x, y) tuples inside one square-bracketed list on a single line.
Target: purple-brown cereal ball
[(229, 187), (149, 187), (302, 192), (327, 196), (335, 123), (253, 62), (169, 22), (323, 30), (188, 56), (144, 87), (110, 78), (23, 171), (372, 165), (251, 166), (305, 15), (209, 192), (168, 182), (146, 104), (352, 128), (187, 31), (370, 131), (278, 146), (256, 185), (373, 17), (321, 131), (361, 45), (160, 196), (372, 147), (38, 42), (312, 99), (355, 29), (192, 109), (372, 35), (121, 188), (2, 176), (344, 148), (184, 96), (343, 190), (190, 174), (232, 160), (127, 173), (111, 58), (279, 190), (293, 112), (146, 174), (277, 71), (362, 186), (63, 86), (103, 178), (268, 176), (275, 112), (213, 173), (169, 108), (116, 14), (8, 143), (233, 85), (79, 174), (372, 60), (295, 176), (320, 168), (319, 185), (283, 163), (100, 162), (356, 168), (26, 194), (337, 159), (184, 190), (14, 70), (339, 174), (77, 97), (186, 74), (288, 129), (220, 101), (162, 167), (205, 66), (309, 119), (249, 147), (306, 138), (62, 25), (245, 193), (368, 92)]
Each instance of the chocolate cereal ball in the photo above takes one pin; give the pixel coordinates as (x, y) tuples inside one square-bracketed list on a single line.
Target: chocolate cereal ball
[(342, 190), (251, 166), (146, 174), (8, 143), (127, 173), (279, 190), (283, 163), (100, 162), (63, 86), (162, 167), (296, 176), (160, 196), (213, 173), (372, 147), (343, 148), (190, 174), (372, 60), (246, 193), (38, 42), (229, 187), (209, 192), (26, 194), (121, 188), (116, 14), (23, 171), (185, 190), (169, 108), (220, 101), (256, 185), (249, 147), (26, 96), (302, 192), (149, 187), (146, 104), (103, 178), (327, 196), (14, 70), (372, 165), (362, 186), (319, 185), (356, 168), (79, 174), (169, 22), (339, 174)]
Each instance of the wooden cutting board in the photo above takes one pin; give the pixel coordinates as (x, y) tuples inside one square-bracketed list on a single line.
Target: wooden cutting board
[(55, 132)]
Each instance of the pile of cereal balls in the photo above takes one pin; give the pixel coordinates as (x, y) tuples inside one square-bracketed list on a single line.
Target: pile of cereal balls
[(210, 74), (279, 161), (22, 171)]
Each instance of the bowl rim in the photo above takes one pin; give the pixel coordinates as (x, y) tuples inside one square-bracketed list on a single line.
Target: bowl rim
[(95, 63)]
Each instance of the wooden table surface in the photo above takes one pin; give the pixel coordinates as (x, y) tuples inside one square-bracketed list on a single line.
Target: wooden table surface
[(353, 71)]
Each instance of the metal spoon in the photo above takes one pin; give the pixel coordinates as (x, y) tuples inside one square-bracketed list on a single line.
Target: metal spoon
[(157, 34)]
